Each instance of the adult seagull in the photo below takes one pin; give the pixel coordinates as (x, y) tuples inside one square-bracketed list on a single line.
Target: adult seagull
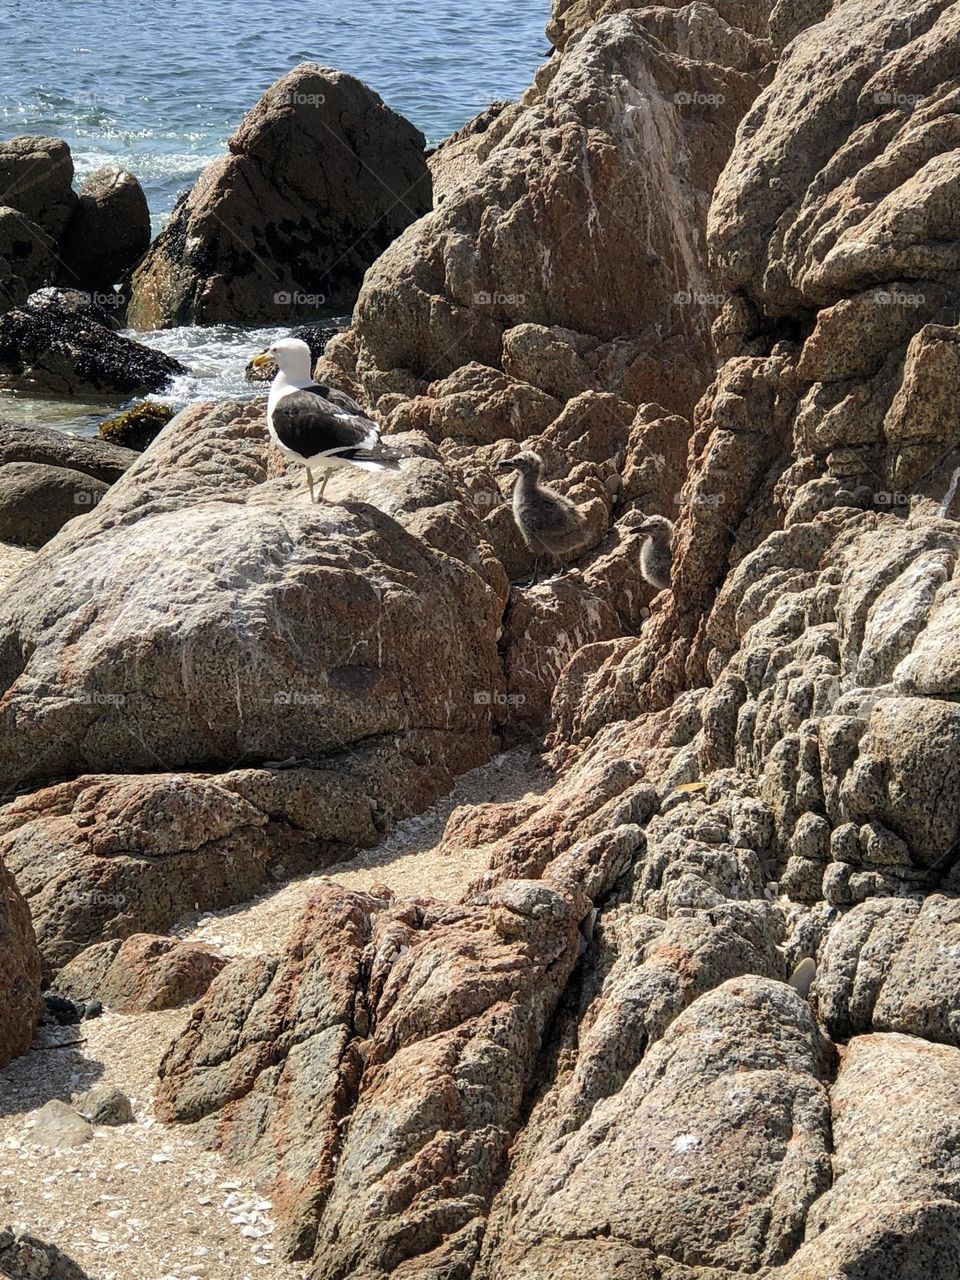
[(318, 426)]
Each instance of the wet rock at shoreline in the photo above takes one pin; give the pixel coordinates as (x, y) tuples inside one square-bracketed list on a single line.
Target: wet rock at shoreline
[(138, 427), (320, 177), (108, 231), (27, 257), (36, 178), (102, 461), (56, 346)]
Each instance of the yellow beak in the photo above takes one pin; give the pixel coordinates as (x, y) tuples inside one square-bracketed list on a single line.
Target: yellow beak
[(261, 362)]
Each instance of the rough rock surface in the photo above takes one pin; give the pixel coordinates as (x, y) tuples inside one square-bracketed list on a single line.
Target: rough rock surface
[(24, 1257), (585, 221), (357, 641), (27, 257), (36, 178), (20, 1001), (427, 1002), (688, 1118), (108, 231), (103, 461), (105, 1104), (37, 500), (457, 159), (142, 973), (594, 1065), (320, 177), (57, 345)]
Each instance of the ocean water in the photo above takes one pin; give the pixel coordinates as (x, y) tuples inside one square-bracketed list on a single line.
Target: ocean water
[(158, 88)]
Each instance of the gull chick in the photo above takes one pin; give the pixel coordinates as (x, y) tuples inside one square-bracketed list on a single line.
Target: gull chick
[(656, 555), (550, 524), (318, 426)]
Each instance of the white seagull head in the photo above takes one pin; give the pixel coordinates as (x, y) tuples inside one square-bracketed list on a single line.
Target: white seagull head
[(293, 359)]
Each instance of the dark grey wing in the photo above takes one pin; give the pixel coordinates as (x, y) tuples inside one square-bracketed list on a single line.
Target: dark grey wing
[(310, 425), (339, 398)]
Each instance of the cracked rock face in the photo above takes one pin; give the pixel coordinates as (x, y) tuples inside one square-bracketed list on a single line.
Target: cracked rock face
[(623, 140), (439, 1008), (321, 175)]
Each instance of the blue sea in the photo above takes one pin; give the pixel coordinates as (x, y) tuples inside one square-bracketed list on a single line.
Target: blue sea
[(159, 87)]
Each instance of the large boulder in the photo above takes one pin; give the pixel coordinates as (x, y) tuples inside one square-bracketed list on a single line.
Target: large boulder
[(320, 178), (686, 1118), (57, 345), (229, 619), (37, 500), (20, 1001), (207, 615), (36, 178), (585, 218), (108, 231), (892, 1209)]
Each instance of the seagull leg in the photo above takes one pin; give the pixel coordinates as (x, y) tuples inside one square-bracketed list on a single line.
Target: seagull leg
[(536, 574), (310, 483), (323, 484)]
